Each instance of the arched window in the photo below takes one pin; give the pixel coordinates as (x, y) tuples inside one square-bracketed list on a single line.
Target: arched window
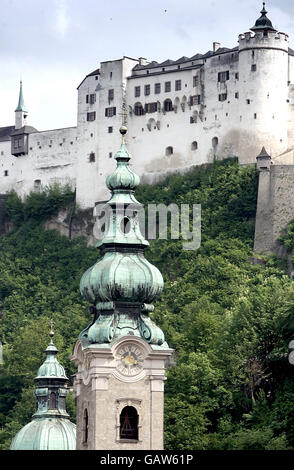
[(138, 109), (85, 426), (214, 142), (194, 145), (52, 401), (129, 423), (169, 151), (168, 105)]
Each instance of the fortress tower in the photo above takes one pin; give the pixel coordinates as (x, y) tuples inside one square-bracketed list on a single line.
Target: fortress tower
[(121, 355), (263, 90)]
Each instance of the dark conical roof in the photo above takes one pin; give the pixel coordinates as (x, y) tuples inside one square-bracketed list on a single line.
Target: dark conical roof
[(263, 23)]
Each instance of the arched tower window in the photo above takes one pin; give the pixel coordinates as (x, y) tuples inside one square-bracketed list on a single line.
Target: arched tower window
[(52, 401), (85, 426), (129, 423), (169, 151)]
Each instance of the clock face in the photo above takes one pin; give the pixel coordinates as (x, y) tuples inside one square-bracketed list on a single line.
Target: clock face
[(130, 360)]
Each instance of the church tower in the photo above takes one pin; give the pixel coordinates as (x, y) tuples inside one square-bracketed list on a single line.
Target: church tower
[(21, 112), (50, 428), (122, 354)]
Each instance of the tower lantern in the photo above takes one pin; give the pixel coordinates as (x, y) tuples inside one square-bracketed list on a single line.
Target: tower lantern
[(122, 354)]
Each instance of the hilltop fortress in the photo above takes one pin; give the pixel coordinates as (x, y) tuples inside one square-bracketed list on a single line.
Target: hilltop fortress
[(179, 113)]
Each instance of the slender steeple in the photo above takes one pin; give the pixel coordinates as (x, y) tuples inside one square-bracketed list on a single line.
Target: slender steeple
[(50, 428), (263, 23), (122, 284), (21, 111)]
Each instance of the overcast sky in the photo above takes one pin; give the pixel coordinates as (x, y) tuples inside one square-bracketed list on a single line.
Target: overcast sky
[(52, 44)]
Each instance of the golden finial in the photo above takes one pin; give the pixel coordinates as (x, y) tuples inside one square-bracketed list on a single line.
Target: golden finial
[(123, 129)]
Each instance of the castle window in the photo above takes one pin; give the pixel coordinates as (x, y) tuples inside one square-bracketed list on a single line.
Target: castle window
[(96, 77), (169, 151), (129, 423), (194, 145), (194, 100), (150, 107), (138, 109), (236, 94), (168, 105), (255, 115), (110, 75), (252, 54), (237, 75), (17, 142), (110, 130), (93, 98), (110, 94), (92, 157), (6, 173), (265, 33), (109, 112), (157, 88), (223, 76), (147, 90), (91, 116), (214, 142), (110, 154), (248, 101), (178, 85), (195, 80), (37, 185), (222, 97), (85, 426), (167, 87), (137, 91), (192, 120), (253, 68)]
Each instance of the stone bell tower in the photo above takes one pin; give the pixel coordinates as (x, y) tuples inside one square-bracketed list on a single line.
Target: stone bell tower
[(122, 354)]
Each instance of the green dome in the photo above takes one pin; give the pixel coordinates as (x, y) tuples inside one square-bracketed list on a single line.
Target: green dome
[(122, 277), (46, 434), (123, 177), (51, 367)]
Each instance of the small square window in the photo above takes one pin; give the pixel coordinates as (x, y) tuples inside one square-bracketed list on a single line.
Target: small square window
[(253, 68), (110, 130), (167, 87), (157, 88)]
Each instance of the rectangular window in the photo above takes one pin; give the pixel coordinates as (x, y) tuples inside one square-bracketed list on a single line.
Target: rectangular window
[(147, 90), (196, 80), (150, 107), (253, 68), (167, 87), (110, 94), (178, 85), (91, 116), (248, 101), (92, 98), (110, 130), (194, 100), (222, 97), (109, 112), (157, 88), (237, 75), (223, 76), (137, 91), (236, 95), (87, 98)]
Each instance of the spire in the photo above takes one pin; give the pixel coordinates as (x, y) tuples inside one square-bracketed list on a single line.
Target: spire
[(21, 105), (122, 284), (263, 23)]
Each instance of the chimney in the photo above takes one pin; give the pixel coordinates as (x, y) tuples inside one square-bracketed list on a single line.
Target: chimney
[(215, 46), (143, 61)]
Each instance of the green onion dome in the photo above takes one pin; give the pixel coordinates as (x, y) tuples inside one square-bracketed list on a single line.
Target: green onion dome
[(51, 368), (123, 177)]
